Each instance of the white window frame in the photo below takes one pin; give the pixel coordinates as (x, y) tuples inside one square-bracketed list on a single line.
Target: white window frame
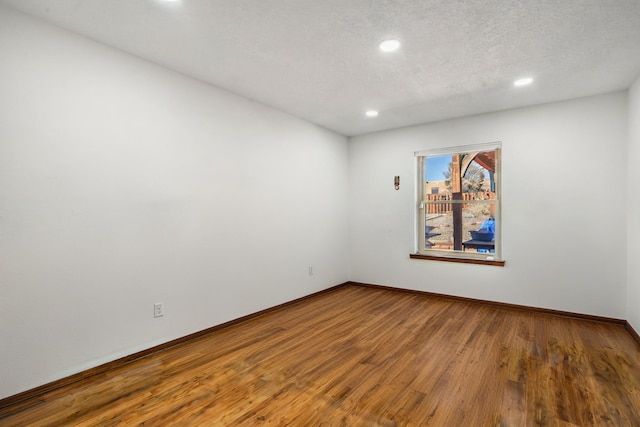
[(420, 242)]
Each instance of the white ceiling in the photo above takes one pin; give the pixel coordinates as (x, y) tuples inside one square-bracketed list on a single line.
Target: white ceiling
[(318, 59)]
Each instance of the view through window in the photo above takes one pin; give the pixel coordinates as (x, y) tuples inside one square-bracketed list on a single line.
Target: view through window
[(459, 202)]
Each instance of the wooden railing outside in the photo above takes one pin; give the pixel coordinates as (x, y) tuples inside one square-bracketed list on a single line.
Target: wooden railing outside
[(442, 207)]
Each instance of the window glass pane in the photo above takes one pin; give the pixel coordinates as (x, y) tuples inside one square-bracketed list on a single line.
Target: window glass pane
[(476, 170), (440, 229), (437, 168), (479, 172)]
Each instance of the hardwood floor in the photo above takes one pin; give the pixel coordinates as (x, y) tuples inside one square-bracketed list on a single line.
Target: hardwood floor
[(368, 357)]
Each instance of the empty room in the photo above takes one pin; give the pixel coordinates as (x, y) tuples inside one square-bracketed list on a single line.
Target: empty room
[(319, 213)]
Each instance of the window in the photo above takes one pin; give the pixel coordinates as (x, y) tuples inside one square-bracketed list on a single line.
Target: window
[(458, 209)]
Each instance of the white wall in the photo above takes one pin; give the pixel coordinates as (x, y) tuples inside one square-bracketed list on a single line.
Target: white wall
[(123, 184), (633, 232), (564, 175)]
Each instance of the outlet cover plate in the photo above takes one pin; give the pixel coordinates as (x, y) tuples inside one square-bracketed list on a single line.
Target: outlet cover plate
[(158, 309)]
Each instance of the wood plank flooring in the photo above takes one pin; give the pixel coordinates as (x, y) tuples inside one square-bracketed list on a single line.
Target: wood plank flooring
[(368, 357)]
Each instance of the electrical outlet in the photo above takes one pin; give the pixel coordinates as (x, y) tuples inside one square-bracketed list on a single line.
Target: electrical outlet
[(310, 271), (158, 309)]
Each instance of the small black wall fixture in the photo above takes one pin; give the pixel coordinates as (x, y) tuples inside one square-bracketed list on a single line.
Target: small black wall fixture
[(396, 182)]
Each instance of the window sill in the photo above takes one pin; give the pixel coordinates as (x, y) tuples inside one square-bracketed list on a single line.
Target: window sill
[(460, 260)]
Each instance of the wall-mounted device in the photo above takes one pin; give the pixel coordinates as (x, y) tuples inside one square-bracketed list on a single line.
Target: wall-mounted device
[(396, 182)]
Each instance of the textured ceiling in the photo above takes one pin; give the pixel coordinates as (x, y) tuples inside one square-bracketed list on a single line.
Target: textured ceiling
[(318, 59)]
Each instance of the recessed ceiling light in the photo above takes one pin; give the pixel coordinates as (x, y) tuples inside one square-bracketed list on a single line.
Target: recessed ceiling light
[(523, 81), (372, 113), (389, 45)]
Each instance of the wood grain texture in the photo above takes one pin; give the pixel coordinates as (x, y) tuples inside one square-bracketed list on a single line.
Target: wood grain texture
[(368, 357), (458, 260), (632, 331), (526, 308)]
